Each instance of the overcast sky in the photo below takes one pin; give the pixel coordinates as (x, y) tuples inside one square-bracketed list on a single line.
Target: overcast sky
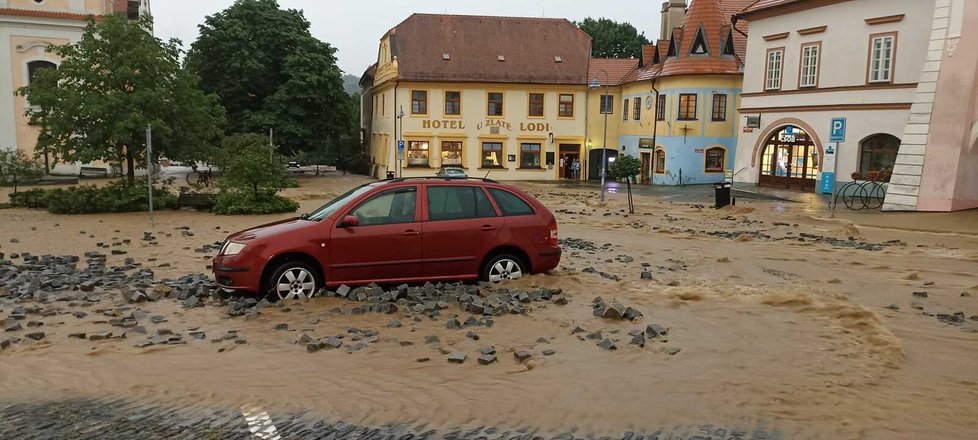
[(354, 27)]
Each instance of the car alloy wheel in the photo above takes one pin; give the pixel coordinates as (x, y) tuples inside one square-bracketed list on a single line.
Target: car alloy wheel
[(505, 269), (295, 283)]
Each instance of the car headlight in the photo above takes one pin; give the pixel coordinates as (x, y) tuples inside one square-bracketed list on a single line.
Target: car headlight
[(232, 248)]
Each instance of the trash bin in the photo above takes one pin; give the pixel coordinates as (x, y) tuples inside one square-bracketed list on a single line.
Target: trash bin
[(722, 190), (390, 174)]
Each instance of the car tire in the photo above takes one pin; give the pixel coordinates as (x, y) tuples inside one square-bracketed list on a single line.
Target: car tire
[(503, 267), (293, 280)]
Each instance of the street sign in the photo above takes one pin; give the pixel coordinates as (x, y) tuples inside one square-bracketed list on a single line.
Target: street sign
[(828, 169), (838, 132), (400, 150)]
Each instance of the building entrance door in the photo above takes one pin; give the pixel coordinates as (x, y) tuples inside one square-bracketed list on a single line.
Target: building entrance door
[(568, 154), (594, 162), (790, 160)]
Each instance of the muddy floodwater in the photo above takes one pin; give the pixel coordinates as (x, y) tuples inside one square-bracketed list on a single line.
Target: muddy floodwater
[(779, 315)]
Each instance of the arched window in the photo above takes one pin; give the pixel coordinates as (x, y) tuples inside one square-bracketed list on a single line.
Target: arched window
[(878, 153), (660, 161), (716, 159), (36, 66)]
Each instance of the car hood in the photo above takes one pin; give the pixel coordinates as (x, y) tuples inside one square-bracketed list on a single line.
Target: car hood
[(270, 229)]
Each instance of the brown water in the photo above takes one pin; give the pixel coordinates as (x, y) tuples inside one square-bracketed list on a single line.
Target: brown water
[(788, 334)]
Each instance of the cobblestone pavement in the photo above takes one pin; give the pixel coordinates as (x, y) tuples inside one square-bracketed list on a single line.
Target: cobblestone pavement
[(123, 419)]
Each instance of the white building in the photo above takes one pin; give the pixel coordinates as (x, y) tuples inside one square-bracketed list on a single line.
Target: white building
[(27, 28)]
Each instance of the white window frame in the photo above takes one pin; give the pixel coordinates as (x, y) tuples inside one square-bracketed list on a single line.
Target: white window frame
[(774, 69), (810, 58), (882, 55)]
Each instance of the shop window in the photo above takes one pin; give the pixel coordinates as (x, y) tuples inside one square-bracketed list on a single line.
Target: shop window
[(529, 155), (417, 153), (492, 155), (877, 155), (566, 106), (536, 105), (451, 154), (495, 104), (453, 103), (419, 102), (716, 157)]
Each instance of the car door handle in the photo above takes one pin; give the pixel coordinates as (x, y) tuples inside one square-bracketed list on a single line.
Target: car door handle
[(411, 232), (488, 228)]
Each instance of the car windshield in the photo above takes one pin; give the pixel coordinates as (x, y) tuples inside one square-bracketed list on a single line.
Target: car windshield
[(337, 203)]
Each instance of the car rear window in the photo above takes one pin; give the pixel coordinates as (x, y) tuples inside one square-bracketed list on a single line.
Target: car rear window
[(510, 203), (458, 202)]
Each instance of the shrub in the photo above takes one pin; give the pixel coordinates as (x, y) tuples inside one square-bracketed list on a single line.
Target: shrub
[(17, 169), (244, 202), (88, 199)]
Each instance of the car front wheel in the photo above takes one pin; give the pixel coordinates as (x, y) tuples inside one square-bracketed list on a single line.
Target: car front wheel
[(294, 280), (503, 267)]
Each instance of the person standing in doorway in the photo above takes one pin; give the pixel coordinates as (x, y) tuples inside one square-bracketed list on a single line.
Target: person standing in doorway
[(575, 169)]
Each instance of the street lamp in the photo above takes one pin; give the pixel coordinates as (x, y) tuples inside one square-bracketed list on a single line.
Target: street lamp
[(400, 139), (596, 85)]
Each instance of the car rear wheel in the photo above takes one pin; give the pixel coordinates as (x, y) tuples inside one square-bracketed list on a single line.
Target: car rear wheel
[(503, 267), (294, 280)]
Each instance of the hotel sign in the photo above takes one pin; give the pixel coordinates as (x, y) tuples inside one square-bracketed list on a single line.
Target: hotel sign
[(494, 125)]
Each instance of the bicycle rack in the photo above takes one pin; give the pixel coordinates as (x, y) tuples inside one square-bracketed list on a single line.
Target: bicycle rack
[(860, 194)]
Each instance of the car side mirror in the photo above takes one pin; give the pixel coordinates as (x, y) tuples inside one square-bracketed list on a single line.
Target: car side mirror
[(350, 221)]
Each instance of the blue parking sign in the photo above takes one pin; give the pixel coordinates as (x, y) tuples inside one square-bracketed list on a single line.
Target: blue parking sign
[(838, 132)]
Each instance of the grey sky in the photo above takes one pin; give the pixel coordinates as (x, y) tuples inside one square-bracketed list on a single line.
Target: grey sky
[(355, 27)]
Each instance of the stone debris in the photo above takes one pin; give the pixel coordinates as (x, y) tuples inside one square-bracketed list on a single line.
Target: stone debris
[(522, 356), (487, 359), (457, 358), (920, 294), (607, 344), (615, 310)]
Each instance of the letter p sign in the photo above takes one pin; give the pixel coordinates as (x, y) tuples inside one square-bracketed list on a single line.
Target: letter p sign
[(838, 132)]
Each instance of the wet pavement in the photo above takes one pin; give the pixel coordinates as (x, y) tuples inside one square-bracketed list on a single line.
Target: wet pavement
[(124, 419)]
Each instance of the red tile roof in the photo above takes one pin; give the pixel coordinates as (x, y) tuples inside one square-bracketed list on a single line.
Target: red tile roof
[(730, 8), (618, 69), (43, 14), (758, 5), (530, 46), (708, 15), (648, 52)]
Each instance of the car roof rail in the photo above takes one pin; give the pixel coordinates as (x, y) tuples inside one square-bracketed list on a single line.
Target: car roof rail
[(446, 178)]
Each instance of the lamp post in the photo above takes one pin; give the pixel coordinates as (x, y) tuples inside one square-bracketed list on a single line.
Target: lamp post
[(400, 139), (596, 85)]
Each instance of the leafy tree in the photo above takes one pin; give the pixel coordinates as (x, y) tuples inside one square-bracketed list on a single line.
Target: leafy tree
[(351, 83), (613, 39), (252, 166), (113, 83), (16, 168), (626, 167), (270, 73)]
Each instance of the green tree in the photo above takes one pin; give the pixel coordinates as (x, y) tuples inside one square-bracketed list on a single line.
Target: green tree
[(626, 167), (270, 73), (113, 83), (16, 168), (613, 39), (250, 165)]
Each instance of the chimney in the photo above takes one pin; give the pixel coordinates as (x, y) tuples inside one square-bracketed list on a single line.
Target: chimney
[(673, 12)]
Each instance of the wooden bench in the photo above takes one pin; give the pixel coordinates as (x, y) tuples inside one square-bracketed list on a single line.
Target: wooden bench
[(93, 172), (197, 200)]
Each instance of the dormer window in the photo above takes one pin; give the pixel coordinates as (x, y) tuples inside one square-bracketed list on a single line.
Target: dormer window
[(700, 46), (728, 45), (673, 51)]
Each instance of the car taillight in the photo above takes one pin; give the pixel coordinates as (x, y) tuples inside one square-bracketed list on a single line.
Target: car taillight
[(553, 233)]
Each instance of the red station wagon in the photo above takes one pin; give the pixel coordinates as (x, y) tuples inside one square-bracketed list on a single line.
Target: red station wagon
[(395, 231)]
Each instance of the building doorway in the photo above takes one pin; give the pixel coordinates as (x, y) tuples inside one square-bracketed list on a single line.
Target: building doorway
[(790, 160), (569, 153), (594, 158), (646, 167)]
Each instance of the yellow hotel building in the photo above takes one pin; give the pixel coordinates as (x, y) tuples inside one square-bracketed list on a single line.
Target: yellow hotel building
[(499, 96)]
